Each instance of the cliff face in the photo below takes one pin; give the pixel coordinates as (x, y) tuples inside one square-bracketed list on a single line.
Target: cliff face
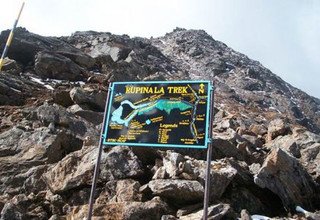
[(52, 95)]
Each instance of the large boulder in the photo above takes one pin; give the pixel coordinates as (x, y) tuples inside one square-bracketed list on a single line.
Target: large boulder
[(121, 163), (62, 97), (95, 118), (127, 190), (152, 210), (76, 169), (284, 175), (22, 207), (58, 117), (9, 141), (14, 89), (276, 128), (77, 56), (25, 154), (176, 166), (215, 212), (309, 145), (10, 211), (303, 145), (179, 191), (92, 98), (55, 66), (232, 144)]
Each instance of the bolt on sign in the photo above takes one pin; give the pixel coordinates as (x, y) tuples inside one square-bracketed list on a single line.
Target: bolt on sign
[(158, 114)]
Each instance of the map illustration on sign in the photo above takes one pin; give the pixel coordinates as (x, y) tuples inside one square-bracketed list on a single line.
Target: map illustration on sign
[(163, 114)]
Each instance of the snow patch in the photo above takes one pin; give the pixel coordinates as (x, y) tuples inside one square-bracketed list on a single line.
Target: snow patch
[(48, 87), (56, 81), (16, 90), (273, 108), (39, 81), (163, 42), (80, 83)]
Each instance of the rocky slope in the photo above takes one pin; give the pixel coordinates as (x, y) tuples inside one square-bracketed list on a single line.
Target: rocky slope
[(52, 95)]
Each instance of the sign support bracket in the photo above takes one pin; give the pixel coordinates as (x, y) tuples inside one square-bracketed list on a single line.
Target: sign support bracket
[(209, 155), (97, 166)]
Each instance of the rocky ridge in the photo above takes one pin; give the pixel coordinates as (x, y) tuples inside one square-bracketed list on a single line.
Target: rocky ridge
[(266, 143)]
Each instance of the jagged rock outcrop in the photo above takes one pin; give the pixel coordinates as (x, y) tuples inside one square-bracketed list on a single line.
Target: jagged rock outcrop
[(26, 45), (266, 143)]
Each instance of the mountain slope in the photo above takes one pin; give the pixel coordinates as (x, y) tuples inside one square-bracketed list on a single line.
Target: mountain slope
[(237, 78), (266, 143)]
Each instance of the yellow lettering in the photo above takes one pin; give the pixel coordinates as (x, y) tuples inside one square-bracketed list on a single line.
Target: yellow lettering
[(158, 90), (177, 90), (184, 89), (132, 89), (128, 89)]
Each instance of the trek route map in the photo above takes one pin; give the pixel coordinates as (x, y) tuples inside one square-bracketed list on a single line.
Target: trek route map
[(164, 114)]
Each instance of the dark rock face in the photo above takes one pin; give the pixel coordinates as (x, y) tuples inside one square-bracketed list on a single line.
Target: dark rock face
[(266, 143), (15, 89), (26, 45), (55, 66), (95, 100)]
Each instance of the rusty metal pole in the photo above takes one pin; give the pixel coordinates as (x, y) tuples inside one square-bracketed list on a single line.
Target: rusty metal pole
[(97, 166), (209, 155)]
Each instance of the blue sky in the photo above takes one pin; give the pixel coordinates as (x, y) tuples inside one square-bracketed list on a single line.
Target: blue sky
[(283, 35)]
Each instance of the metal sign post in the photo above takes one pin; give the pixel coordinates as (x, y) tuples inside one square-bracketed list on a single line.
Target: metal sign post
[(209, 155), (9, 40), (97, 166), (158, 114)]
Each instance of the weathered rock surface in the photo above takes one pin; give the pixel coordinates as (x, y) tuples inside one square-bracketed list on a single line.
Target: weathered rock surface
[(177, 190), (25, 154), (152, 209), (283, 175), (76, 169), (277, 127), (215, 212), (89, 97), (95, 118), (59, 117), (127, 190), (303, 145), (55, 66), (15, 89), (176, 166)]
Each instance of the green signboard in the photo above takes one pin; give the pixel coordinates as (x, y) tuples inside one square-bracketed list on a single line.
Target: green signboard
[(158, 114)]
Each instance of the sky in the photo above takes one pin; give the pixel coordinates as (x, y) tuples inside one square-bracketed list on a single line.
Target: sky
[(282, 35)]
